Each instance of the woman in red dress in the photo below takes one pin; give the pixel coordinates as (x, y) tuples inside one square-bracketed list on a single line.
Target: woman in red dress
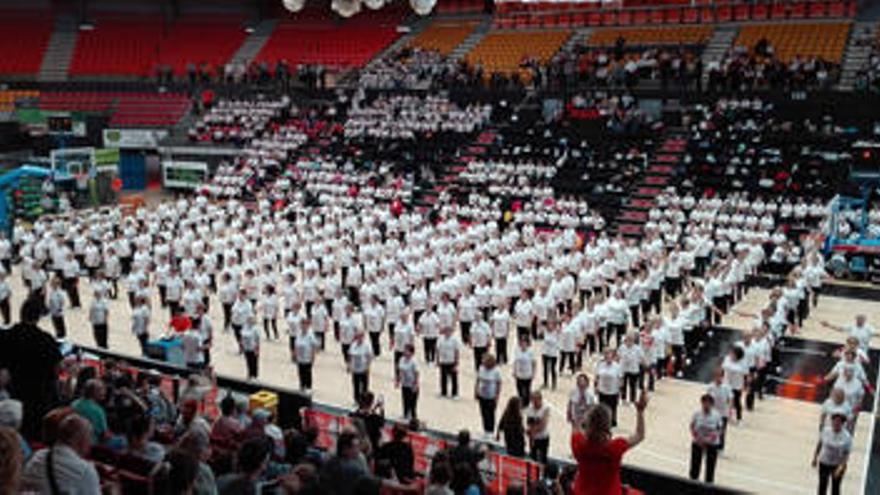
[(598, 455)]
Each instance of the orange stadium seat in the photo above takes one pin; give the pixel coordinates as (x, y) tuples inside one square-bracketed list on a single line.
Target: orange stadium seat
[(826, 41), (10, 96), (443, 36), (503, 52), (687, 35)]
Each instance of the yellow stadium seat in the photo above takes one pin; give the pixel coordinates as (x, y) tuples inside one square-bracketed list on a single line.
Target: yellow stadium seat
[(827, 41)]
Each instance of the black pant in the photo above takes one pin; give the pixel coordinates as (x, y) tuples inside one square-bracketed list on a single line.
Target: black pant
[(6, 311), (99, 330), (465, 331), (360, 383), (250, 359), (270, 323), (570, 357), (678, 354), (522, 332), (479, 352), (737, 404), (227, 314), (524, 389), (549, 370), (447, 374), (711, 452), (430, 349), (375, 343), (305, 375), (611, 402), (826, 473), (59, 326), (236, 330), (501, 350), (540, 447), (487, 412), (142, 339), (631, 383), (410, 400), (72, 288)]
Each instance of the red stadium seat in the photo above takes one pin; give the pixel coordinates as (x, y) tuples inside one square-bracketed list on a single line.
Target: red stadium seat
[(625, 18), (595, 19), (836, 9), (609, 18), (657, 16), (724, 14), (759, 12), (797, 11), (778, 11), (691, 15), (23, 41), (817, 10), (707, 14), (640, 17), (673, 16), (851, 8), (741, 13)]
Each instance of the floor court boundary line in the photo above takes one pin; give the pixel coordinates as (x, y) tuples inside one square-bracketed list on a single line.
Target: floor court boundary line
[(870, 443)]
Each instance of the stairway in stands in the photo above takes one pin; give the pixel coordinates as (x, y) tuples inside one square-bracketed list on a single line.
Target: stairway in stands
[(473, 40), (252, 45), (656, 177), (722, 39), (858, 50), (59, 50), (415, 27)]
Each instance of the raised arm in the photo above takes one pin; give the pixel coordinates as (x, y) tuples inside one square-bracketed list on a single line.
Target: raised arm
[(639, 435)]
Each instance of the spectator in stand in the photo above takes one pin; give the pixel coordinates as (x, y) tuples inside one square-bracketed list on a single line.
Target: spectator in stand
[(140, 430), (197, 444), (90, 407), (64, 463), (11, 460), (182, 473), (348, 469), (253, 459), (227, 427), (397, 455), (598, 455)]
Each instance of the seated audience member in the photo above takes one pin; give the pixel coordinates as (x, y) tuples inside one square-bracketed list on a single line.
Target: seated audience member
[(182, 473), (253, 458), (343, 472), (197, 444), (190, 419), (11, 413), (90, 407), (11, 460), (140, 431), (227, 427), (397, 455), (64, 463)]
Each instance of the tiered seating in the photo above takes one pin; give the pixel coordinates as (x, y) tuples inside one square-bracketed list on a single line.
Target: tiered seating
[(317, 36), (119, 45), (825, 41), (128, 109), (23, 39), (685, 35), (9, 97), (150, 110), (77, 101), (505, 51), (211, 39), (459, 6), (443, 36)]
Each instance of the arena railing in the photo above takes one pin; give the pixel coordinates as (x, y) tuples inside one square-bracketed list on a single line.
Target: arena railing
[(296, 409)]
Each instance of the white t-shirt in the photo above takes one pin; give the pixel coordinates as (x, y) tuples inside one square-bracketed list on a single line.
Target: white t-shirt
[(723, 396), (829, 408), (447, 349), (535, 415), (631, 358), (191, 343), (835, 446), (579, 402), (864, 333), (735, 372), (305, 347), (608, 377), (488, 382), (550, 346), (523, 364), (707, 427), (409, 373), (359, 357)]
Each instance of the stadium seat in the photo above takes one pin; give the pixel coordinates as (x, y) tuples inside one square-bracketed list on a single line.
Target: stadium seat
[(443, 37), (23, 40), (741, 13), (827, 41), (123, 44), (503, 52), (211, 39), (685, 35)]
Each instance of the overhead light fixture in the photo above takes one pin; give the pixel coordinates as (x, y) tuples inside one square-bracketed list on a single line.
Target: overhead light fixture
[(86, 26), (294, 5), (422, 7)]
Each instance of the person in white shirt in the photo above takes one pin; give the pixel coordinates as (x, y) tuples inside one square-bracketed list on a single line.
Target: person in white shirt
[(250, 346), (538, 428), (140, 322), (241, 312), (631, 358), (500, 331), (736, 372), (98, 317), (193, 346), (580, 400), (524, 364), (56, 304), (550, 354), (722, 395), (608, 377), (349, 326), (407, 379), (360, 356), (480, 339), (305, 347), (269, 306), (71, 272), (860, 330), (487, 389), (68, 460), (448, 355), (429, 329), (5, 298), (524, 315), (832, 453), (374, 321), (706, 427), (835, 404)]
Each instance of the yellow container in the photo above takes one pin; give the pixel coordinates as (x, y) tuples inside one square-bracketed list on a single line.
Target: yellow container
[(266, 400)]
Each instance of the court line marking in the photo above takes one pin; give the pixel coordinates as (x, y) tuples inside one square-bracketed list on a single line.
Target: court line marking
[(870, 442)]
